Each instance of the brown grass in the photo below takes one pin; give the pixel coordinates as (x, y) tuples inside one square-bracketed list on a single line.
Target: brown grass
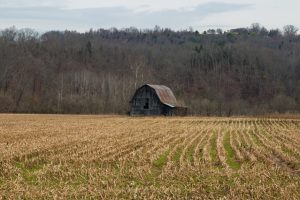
[(114, 157)]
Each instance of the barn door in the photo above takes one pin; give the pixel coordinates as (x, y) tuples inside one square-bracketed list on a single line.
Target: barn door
[(146, 104)]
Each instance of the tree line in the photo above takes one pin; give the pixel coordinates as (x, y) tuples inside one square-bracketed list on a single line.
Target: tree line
[(243, 71)]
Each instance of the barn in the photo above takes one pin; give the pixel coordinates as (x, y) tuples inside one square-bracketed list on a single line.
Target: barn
[(155, 100)]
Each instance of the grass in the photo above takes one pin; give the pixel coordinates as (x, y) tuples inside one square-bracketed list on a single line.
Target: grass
[(189, 153), (213, 152), (230, 153), (80, 179), (161, 160), (28, 173), (255, 139), (158, 165), (289, 151), (176, 156), (2, 181)]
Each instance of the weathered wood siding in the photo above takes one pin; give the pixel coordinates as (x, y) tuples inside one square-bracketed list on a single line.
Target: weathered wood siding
[(146, 102)]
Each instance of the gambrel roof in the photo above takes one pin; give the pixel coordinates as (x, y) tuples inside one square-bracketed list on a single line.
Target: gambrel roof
[(165, 95)]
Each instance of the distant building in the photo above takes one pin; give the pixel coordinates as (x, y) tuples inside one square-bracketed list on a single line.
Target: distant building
[(155, 100)]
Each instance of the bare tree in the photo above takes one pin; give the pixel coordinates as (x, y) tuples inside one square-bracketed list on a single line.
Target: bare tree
[(290, 30)]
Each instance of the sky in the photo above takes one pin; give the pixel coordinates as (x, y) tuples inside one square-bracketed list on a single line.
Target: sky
[(82, 15)]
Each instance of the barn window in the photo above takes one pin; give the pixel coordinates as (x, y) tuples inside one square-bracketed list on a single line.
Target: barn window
[(146, 106)]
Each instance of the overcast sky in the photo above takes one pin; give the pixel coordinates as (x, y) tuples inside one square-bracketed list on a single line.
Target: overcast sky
[(81, 15)]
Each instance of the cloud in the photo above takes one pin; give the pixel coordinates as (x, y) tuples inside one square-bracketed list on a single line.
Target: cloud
[(32, 3), (52, 17)]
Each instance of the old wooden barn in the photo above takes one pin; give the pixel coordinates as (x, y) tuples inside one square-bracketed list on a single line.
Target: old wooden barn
[(155, 100)]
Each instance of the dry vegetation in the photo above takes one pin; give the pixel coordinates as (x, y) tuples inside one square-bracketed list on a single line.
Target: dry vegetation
[(113, 157)]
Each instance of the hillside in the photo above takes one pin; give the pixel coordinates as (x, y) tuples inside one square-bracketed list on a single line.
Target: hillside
[(239, 72)]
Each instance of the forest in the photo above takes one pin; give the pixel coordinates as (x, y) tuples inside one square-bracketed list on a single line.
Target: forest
[(244, 71)]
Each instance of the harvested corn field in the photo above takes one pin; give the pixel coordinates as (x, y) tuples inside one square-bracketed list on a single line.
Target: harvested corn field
[(114, 157)]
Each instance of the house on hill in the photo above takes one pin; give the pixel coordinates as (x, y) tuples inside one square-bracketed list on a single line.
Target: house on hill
[(155, 100)]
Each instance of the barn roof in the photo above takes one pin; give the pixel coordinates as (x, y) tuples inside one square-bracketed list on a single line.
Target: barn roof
[(165, 95)]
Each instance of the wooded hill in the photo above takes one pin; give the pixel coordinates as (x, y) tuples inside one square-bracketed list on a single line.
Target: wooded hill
[(243, 71)]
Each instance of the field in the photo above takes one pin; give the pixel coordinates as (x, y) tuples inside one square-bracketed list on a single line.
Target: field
[(114, 157)]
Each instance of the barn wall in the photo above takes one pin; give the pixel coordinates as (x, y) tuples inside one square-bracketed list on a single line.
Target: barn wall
[(139, 102), (179, 111), (167, 111)]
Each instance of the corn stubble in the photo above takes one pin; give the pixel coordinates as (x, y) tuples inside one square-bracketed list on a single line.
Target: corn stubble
[(113, 157)]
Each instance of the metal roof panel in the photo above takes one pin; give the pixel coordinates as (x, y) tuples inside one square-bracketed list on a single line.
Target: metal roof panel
[(165, 95)]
